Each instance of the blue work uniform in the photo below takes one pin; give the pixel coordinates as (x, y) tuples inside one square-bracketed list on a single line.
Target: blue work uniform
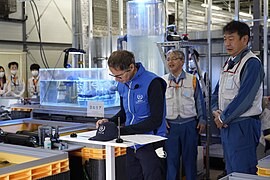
[(185, 105), (239, 96)]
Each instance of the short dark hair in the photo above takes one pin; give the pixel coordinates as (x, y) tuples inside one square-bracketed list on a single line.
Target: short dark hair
[(34, 67), (241, 28), (121, 59), (13, 63)]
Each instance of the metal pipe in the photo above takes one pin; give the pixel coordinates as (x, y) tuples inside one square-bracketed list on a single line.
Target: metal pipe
[(185, 16), (209, 25), (236, 10), (75, 23), (121, 17), (91, 34), (24, 37), (209, 37), (176, 8), (109, 20), (265, 45), (166, 13)]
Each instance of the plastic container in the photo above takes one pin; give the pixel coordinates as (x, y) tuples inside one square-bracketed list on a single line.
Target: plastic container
[(94, 163), (145, 27), (264, 167), (47, 143)]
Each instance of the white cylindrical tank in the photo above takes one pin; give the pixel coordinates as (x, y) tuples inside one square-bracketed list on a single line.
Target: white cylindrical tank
[(145, 27)]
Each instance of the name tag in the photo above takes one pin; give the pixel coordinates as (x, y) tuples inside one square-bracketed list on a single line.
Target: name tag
[(186, 93)]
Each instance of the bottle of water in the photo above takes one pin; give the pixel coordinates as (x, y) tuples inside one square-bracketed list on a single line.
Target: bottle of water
[(47, 143)]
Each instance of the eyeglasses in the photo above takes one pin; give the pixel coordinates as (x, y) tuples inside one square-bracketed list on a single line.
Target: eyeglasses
[(119, 76), (174, 59)]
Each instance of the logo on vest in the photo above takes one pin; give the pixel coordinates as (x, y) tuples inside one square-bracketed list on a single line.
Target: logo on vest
[(139, 99)]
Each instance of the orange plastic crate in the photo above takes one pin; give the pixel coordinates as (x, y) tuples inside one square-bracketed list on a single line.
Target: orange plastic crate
[(38, 172), (263, 172), (89, 153)]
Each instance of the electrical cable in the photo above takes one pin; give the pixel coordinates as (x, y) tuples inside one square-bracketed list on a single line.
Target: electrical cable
[(32, 28), (34, 16), (37, 24), (41, 45)]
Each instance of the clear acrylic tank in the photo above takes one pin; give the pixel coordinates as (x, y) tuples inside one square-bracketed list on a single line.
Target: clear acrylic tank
[(74, 87), (145, 27)]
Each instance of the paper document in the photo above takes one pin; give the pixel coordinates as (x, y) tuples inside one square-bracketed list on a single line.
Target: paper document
[(143, 138), (88, 134)]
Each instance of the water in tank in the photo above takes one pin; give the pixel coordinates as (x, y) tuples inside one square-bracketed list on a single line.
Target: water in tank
[(74, 87), (145, 27)]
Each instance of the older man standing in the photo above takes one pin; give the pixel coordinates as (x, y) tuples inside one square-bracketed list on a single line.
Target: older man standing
[(185, 117), (238, 102)]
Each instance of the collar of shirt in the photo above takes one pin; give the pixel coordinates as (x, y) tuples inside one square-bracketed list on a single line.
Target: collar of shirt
[(36, 78), (237, 58), (14, 76), (178, 78)]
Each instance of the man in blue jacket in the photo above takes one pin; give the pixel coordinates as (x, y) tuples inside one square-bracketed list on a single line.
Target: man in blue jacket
[(237, 100), (142, 97)]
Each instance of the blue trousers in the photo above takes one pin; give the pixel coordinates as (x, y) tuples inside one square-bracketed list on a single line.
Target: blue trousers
[(240, 140), (144, 164), (182, 140)]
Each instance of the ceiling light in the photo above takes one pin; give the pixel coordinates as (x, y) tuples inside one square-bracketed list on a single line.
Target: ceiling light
[(213, 7)]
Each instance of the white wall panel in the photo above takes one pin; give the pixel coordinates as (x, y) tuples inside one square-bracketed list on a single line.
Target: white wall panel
[(53, 27), (10, 31)]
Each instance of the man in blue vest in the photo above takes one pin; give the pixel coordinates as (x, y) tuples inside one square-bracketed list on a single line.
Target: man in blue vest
[(237, 100), (143, 110)]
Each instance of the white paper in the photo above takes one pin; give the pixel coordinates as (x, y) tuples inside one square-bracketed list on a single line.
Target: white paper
[(143, 138), (88, 134)]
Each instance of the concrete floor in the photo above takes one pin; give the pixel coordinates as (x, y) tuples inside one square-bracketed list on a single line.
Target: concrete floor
[(213, 175)]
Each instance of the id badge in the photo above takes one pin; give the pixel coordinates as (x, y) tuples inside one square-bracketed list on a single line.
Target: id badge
[(229, 84), (186, 93)]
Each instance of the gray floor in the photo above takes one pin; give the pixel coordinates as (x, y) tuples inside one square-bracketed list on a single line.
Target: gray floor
[(213, 175)]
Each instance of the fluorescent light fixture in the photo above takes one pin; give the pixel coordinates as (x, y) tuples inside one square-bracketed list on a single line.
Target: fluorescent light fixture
[(245, 14), (213, 7)]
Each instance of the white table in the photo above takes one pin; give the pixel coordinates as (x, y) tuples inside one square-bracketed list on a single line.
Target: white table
[(130, 140)]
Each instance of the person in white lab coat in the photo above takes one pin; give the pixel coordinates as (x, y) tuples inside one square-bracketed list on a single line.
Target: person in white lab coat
[(16, 87), (3, 82), (33, 82)]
